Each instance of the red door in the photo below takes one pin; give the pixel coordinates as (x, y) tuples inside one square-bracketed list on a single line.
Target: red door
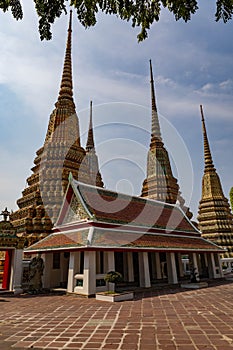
[(7, 269)]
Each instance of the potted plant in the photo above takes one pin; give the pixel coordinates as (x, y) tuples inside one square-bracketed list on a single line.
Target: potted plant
[(113, 277)]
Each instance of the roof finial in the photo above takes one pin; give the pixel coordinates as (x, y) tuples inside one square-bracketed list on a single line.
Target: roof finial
[(155, 127), (207, 154), (70, 22), (66, 88), (90, 139), (5, 213)]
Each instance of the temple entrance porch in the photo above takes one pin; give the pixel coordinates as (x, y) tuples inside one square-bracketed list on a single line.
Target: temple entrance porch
[(56, 265), (83, 271), (11, 254)]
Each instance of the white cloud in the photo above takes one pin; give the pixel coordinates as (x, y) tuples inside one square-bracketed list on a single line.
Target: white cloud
[(227, 85), (223, 87), (161, 80), (207, 87)]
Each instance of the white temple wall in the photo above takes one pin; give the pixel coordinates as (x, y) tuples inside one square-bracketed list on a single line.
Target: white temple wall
[(89, 274), (16, 271), (51, 276)]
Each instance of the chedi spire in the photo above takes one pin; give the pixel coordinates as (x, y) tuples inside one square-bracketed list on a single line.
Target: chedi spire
[(207, 154), (66, 87), (214, 217), (90, 139), (95, 177), (61, 154), (160, 183), (155, 127)]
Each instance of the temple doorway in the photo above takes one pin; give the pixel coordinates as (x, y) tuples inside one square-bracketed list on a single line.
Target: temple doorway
[(5, 268), (2, 261)]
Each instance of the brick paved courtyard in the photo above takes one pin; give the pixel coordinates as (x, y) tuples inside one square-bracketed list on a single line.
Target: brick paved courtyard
[(156, 319)]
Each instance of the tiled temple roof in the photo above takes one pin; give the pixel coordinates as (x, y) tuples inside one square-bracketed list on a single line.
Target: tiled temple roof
[(104, 219), (112, 239), (156, 241), (117, 208), (58, 240)]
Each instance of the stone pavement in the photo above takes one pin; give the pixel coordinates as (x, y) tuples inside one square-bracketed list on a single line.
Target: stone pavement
[(166, 318)]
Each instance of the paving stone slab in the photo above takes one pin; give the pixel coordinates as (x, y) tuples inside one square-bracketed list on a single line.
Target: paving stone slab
[(163, 319)]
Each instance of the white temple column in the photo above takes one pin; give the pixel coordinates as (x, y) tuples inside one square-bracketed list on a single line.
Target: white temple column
[(48, 265), (111, 267), (181, 269), (214, 271), (105, 262), (98, 262), (144, 273), (73, 269), (125, 266), (206, 259), (158, 266), (210, 266), (111, 261), (199, 263), (219, 265), (70, 283), (171, 268), (195, 264), (130, 266), (89, 273), (206, 262), (16, 271)]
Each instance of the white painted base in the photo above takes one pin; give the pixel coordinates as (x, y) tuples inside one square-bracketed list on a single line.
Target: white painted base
[(114, 297), (18, 290), (194, 285)]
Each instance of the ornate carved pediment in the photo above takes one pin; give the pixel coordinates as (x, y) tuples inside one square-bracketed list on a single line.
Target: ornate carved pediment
[(75, 212)]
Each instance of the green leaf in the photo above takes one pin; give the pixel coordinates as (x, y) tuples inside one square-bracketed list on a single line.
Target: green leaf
[(141, 13)]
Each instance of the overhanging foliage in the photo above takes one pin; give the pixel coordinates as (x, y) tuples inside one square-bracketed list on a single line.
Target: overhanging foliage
[(141, 13)]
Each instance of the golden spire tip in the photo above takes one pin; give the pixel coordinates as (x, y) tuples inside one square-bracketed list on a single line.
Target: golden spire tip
[(202, 114), (70, 21)]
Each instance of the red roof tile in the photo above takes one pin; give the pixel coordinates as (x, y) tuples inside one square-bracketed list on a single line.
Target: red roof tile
[(132, 216), (58, 240), (119, 239), (136, 240), (112, 207)]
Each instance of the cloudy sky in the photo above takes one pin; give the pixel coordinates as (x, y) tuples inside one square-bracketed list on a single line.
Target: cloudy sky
[(192, 63)]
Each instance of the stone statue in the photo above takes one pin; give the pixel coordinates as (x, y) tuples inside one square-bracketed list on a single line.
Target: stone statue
[(36, 267), (194, 278)]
